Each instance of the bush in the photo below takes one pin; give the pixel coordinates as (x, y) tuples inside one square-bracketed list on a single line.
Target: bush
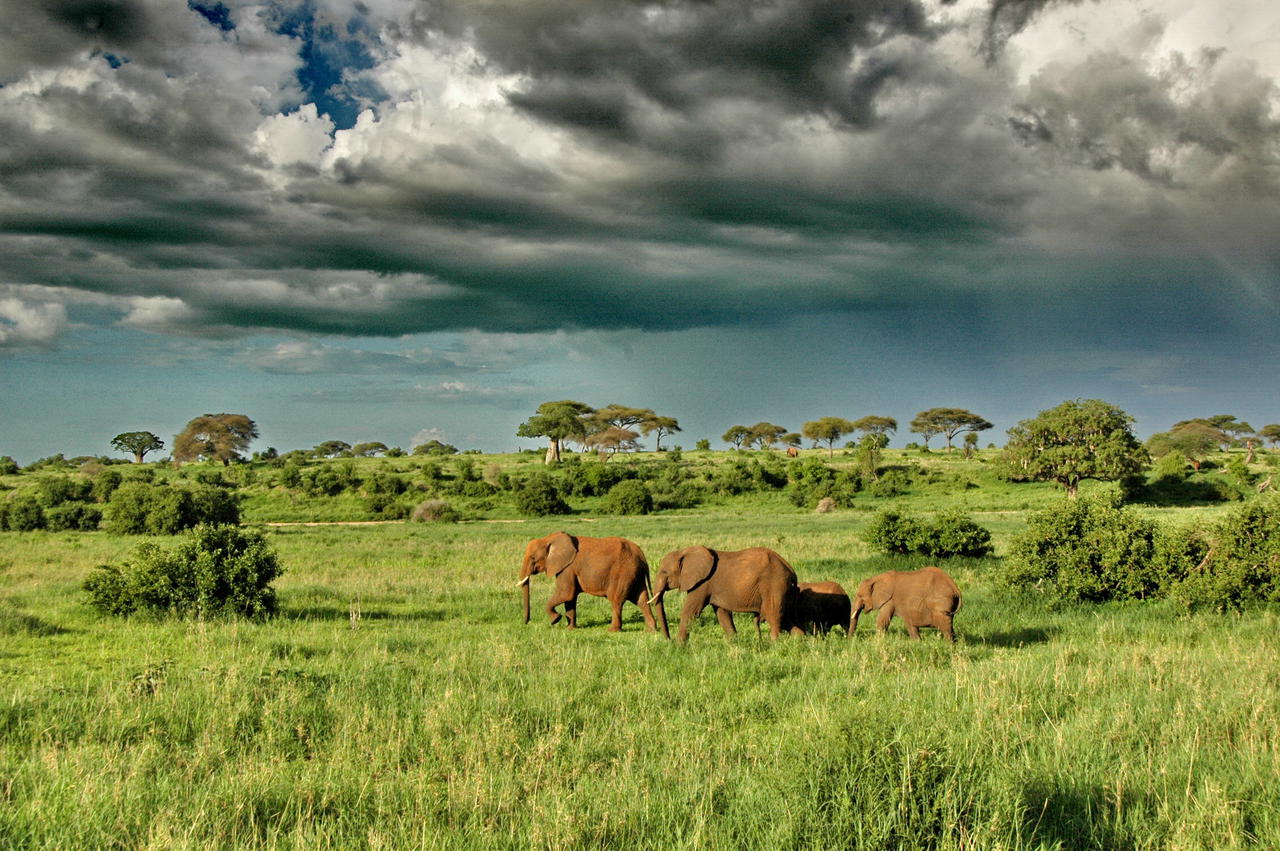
[(105, 484), (1087, 549), (629, 497), (1242, 566), (434, 510), (21, 514), (893, 532), (139, 508), (214, 570), (8, 466), (953, 534), (538, 496), (950, 534), (55, 490), (73, 517)]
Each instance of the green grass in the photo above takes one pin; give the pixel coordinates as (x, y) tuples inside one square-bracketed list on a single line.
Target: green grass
[(398, 701)]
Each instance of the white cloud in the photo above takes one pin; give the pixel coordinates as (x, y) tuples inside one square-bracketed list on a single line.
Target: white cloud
[(26, 324), (299, 137)]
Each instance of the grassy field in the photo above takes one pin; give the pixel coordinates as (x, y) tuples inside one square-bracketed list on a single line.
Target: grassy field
[(398, 701)]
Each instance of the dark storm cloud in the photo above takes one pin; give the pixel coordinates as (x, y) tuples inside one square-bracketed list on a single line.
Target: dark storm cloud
[(1007, 18)]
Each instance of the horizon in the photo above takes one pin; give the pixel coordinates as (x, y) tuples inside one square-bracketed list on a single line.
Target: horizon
[(398, 220)]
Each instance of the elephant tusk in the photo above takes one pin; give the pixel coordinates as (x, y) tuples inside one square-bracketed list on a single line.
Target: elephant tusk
[(524, 581)]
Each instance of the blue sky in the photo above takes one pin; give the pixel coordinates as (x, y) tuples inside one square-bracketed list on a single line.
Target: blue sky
[(400, 220)]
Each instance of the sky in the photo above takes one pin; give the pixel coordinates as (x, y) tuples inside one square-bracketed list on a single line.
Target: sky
[(400, 220)]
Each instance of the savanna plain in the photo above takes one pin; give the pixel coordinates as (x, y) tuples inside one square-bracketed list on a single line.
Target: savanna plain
[(397, 700)]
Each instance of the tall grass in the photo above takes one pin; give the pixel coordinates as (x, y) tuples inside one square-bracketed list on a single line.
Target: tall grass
[(399, 702)]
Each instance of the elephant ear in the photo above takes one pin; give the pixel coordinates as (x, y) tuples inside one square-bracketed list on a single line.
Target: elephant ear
[(881, 590), (562, 549), (695, 566)]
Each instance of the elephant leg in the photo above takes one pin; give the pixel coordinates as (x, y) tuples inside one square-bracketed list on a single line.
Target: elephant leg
[(558, 596), (886, 615), (693, 606), (913, 630), (615, 603), (726, 622), (942, 623), (640, 596), (571, 610)]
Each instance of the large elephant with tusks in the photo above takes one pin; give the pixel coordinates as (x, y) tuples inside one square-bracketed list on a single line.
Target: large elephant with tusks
[(614, 568)]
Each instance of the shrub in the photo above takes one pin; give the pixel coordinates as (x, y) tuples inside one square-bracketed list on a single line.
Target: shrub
[(1086, 549), (8, 466), (950, 534), (214, 506), (892, 483), (73, 517), (213, 570), (105, 484), (55, 490), (953, 534), (21, 514), (434, 510), (384, 483), (629, 497), (538, 496), (139, 508), (1242, 566), (893, 532)]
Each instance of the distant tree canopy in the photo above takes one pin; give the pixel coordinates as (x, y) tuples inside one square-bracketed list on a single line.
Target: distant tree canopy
[(1230, 431), (1079, 439), (736, 436), (139, 443), (558, 422), (435, 447), (1270, 433), (332, 449), (764, 434), (948, 422), (612, 440), (659, 427), (369, 449), (1192, 439), (876, 425), (220, 437), (827, 430)]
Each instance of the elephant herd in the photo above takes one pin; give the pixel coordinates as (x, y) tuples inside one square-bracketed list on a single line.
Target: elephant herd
[(755, 580)]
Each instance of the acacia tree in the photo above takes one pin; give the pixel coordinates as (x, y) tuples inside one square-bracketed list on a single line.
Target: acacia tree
[(332, 449), (876, 425), (736, 436), (764, 435), (1270, 433), (947, 421), (220, 437), (660, 427), (368, 449), (137, 442), (557, 422), (1192, 439), (612, 440), (1077, 440), (827, 430)]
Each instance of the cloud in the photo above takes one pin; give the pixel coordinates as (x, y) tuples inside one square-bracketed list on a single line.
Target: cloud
[(25, 324)]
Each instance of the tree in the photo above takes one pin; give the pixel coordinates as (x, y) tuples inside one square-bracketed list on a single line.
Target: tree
[(827, 430), (875, 425), (557, 422), (1079, 439), (332, 449), (619, 416), (792, 439), (947, 421), (870, 449), (137, 442), (660, 427), (736, 436), (220, 437), (1270, 433), (435, 447), (1192, 439), (369, 449), (970, 444), (764, 434), (613, 440)]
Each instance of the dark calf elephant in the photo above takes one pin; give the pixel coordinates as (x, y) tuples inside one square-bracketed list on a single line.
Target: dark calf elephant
[(818, 607), (613, 568), (924, 597), (755, 580)]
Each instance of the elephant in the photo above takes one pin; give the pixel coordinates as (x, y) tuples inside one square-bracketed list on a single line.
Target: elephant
[(753, 580), (614, 568), (924, 597), (818, 607)]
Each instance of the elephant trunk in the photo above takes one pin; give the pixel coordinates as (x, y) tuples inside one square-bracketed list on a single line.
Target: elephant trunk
[(660, 611)]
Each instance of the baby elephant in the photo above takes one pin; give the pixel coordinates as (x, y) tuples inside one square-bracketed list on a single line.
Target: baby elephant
[(924, 597), (817, 607)]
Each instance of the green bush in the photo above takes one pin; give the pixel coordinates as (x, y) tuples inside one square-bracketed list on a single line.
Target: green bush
[(22, 513), (811, 481), (55, 490), (139, 508), (73, 517), (8, 466), (1086, 549), (629, 497), (893, 532), (105, 484), (538, 496), (950, 534), (213, 570), (1243, 564)]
